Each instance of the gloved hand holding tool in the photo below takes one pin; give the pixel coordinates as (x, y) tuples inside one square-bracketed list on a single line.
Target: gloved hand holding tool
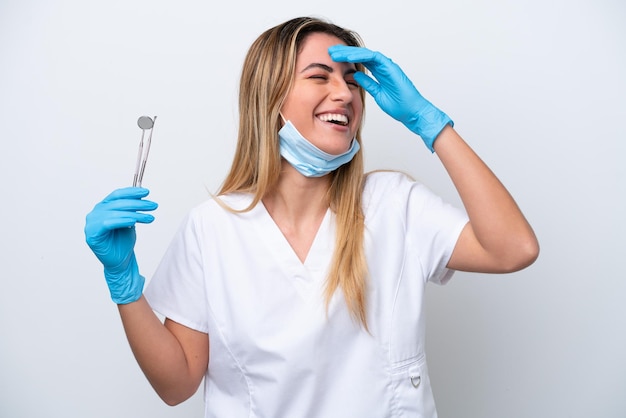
[(110, 233), (110, 228)]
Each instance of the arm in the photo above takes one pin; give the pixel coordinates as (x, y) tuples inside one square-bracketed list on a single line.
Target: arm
[(497, 237), (174, 358)]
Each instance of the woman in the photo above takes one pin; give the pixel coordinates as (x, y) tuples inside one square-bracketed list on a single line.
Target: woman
[(297, 291)]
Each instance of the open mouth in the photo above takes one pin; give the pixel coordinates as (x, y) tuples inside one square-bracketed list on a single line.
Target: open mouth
[(335, 118)]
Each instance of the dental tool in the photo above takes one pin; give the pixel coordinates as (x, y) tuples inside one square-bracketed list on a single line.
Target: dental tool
[(146, 124)]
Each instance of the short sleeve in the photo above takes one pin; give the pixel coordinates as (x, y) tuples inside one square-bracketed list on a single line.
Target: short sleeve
[(407, 215), (177, 289), (433, 229)]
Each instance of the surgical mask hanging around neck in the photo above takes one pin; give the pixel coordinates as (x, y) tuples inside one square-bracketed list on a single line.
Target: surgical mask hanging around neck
[(305, 157)]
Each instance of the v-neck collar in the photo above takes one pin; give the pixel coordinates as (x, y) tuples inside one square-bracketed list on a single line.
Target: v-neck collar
[(319, 256), (308, 278)]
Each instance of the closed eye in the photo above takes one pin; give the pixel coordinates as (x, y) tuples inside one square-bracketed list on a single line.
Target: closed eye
[(350, 77)]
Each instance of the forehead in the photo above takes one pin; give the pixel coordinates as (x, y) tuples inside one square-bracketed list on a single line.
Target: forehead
[(315, 47)]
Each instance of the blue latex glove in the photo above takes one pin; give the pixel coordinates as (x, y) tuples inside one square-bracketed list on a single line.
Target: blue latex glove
[(394, 92), (110, 233)]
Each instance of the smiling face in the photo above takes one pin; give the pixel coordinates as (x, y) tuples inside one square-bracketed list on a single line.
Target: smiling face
[(324, 102)]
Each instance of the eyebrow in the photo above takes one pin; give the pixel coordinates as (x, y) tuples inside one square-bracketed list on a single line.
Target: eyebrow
[(326, 68)]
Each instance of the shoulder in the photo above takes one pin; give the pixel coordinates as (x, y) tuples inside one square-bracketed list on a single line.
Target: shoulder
[(385, 193), (386, 177), (214, 219), (386, 184), (217, 211), (222, 205), (393, 191)]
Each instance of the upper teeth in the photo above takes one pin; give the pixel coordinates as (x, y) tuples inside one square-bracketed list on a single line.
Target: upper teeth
[(334, 117)]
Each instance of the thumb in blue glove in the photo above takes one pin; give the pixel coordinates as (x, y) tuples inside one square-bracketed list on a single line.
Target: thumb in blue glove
[(394, 92), (110, 233)]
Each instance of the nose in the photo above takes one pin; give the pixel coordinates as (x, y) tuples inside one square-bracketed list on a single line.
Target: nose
[(340, 91)]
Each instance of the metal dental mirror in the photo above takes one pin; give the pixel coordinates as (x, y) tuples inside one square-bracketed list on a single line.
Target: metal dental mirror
[(146, 123)]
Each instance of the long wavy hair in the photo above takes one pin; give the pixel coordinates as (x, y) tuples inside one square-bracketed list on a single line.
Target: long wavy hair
[(266, 79)]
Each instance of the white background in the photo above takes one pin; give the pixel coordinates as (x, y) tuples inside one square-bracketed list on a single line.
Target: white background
[(536, 87)]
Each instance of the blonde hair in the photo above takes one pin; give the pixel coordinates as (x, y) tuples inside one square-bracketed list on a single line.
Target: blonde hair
[(266, 79)]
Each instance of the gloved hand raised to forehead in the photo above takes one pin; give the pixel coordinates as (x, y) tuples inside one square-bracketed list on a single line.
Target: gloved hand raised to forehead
[(110, 233), (394, 92)]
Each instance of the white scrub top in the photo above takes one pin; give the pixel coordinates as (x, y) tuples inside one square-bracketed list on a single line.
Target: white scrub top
[(274, 350)]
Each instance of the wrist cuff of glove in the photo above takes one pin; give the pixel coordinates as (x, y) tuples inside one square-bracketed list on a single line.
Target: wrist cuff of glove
[(125, 286), (429, 125)]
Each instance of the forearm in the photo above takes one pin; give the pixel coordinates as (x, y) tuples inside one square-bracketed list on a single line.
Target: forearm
[(495, 219), (158, 353)]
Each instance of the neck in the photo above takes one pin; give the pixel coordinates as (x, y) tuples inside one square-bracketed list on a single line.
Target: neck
[(297, 198)]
